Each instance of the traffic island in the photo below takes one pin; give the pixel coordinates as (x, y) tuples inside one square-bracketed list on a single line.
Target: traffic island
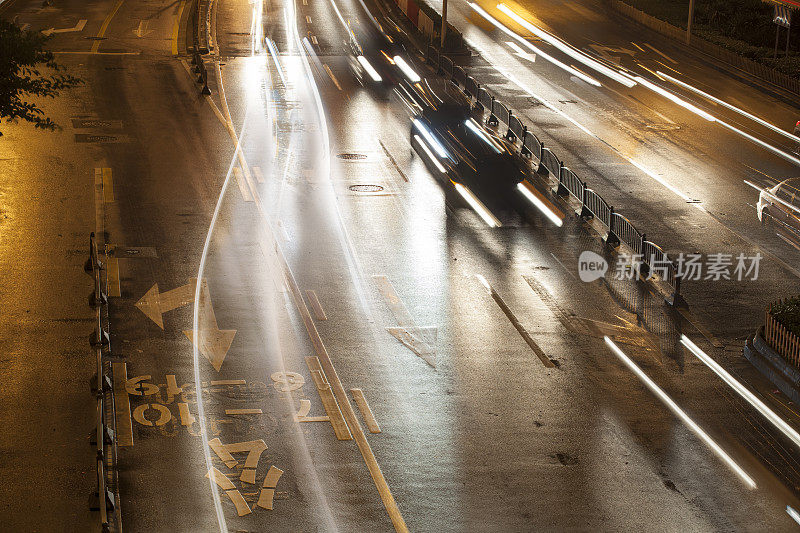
[(775, 348)]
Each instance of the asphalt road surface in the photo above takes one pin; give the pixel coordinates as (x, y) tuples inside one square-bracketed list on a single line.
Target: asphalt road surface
[(363, 353)]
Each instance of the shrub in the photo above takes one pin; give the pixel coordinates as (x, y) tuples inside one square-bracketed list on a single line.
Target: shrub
[(787, 313)]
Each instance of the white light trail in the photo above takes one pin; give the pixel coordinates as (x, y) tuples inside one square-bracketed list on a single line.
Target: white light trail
[(370, 69), (477, 205), (473, 126), (742, 112), (274, 53), (794, 514), (430, 154), (751, 398), (409, 72), (429, 137), (575, 72), (567, 49), (680, 413), (546, 210), (484, 282), (776, 151), (675, 98)]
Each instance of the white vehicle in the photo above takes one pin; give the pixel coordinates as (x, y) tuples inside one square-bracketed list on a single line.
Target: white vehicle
[(781, 205)]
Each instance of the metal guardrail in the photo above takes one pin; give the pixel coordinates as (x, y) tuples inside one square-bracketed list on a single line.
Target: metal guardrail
[(623, 229), (594, 206), (446, 65), (531, 146), (570, 183), (500, 111), (432, 56), (516, 128), (103, 435), (485, 101), (471, 86), (459, 76), (550, 162)]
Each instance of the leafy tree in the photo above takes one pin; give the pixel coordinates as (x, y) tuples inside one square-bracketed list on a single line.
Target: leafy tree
[(28, 70)]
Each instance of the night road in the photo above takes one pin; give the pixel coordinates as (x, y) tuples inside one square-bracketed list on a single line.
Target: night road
[(343, 295)]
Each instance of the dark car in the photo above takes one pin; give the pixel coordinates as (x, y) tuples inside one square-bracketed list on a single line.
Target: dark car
[(457, 147)]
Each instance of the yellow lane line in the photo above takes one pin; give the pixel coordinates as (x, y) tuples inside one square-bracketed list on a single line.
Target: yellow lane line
[(176, 27), (112, 276), (104, 27), (240, 181), (243, 411), (366, 412), (122, 406), (319, 312), (328, 399), (333, 78), (108, 186)]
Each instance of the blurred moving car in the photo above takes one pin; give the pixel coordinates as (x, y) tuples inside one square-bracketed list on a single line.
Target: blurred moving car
[(372, 50), (450, 137), (781, 205)]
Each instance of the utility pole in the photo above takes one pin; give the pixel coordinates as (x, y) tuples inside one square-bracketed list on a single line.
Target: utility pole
[(444, 21), (689, 23)]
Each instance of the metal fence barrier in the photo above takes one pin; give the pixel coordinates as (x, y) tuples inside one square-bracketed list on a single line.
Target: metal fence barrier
[(623, 230), (659, 264), (551, 162), (446, 65), (516, 128), (471, 86), (432, 56), (500, 111), (103, 435), (595, 206), (485, 101), (570, 183), (531, 147), (459, 76)]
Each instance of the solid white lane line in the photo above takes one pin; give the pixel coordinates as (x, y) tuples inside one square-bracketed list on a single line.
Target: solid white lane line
[(680, 413)]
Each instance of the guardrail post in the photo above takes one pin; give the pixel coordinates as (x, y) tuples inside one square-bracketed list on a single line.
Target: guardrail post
[(611, 239), (523, 151), (492, 121), (586, 214), (562, 190), (644, 266), (541, 169)]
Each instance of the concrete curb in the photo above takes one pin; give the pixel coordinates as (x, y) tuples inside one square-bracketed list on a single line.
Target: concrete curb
[(772, 365)]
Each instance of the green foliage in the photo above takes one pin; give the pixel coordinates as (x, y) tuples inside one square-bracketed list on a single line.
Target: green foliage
[(27, 69), (788, 314)]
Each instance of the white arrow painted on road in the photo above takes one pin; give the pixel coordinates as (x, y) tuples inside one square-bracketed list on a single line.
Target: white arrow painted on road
[(519, 52), (78, 27)]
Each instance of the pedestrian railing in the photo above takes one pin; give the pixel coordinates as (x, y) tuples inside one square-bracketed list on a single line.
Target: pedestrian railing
[(103, 435), (551, 162), (570, 183), (625, 232)]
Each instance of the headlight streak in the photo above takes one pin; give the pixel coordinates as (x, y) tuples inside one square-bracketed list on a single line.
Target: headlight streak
[(470, 123), (567, 49), (274, 53), (751, 398), (742, 112), (675, 98), (680, 413), (409, 72), (504, 29), (430, 154), (370, 69), (477, 205), (539, 204), (794, 514), (776, 151), (436, 145)]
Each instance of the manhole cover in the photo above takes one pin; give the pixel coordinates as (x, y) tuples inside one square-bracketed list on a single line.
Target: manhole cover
[(352, 157), (366, 188)]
